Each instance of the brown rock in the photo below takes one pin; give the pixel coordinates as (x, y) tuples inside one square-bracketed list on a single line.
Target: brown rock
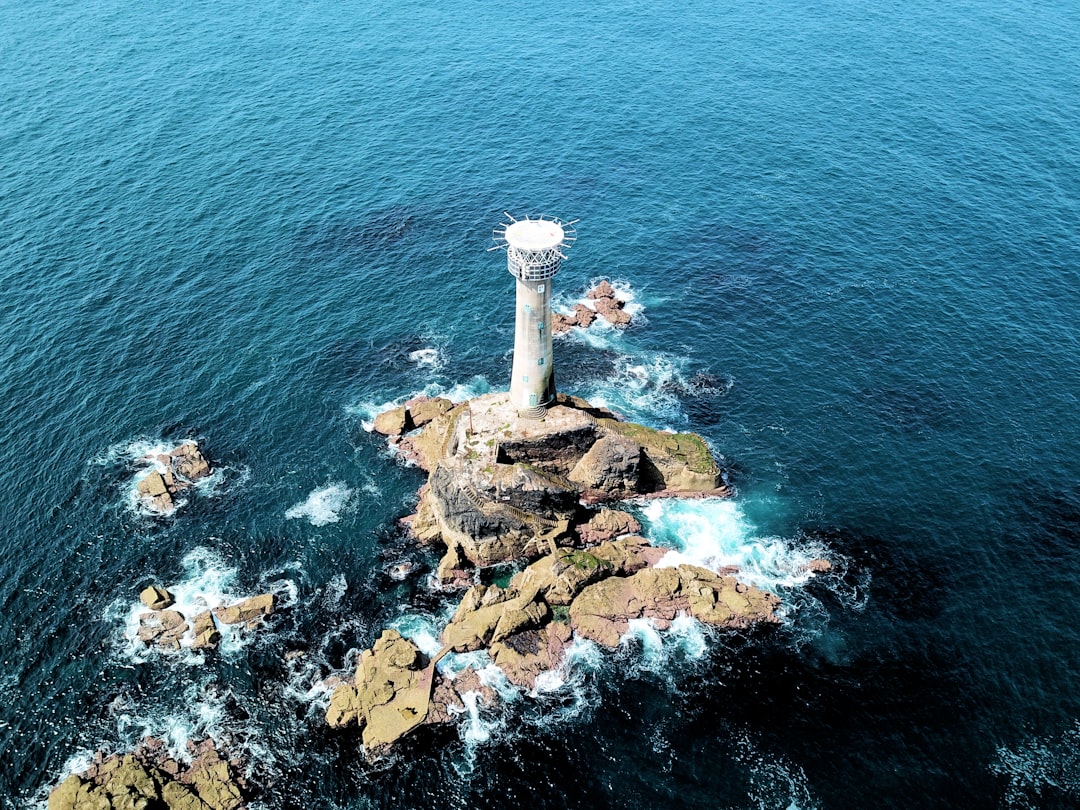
[(561, 324), (393, 422), (423, 410), (490, 613), (602, 290), (610, 466), (819, 566), (393, 686), (156, 598), (584, 316), (607, 524), (447, 701), (525, 655), (152, 485), (247, 610), (206, 633), (602, 612), (611, 310)]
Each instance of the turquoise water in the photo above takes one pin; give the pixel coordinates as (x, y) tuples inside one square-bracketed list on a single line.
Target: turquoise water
[(850, 234)]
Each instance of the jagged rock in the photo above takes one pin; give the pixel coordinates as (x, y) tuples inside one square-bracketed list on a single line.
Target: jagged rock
[(601, 290), (390, 694), (426, 409), (453, 571), (525, 655), (584, 316), (611, 310), (489, 614), (610, 466), (602, 611), (607, 524), (156, 598), (163, 628), (562, 575), (147, 779), (394, 688), (206, 632), (819, 566), (423, 525), (189, 463), (680, 462), (248, 611), (432, 442), (393, 422), (449, 696), (174, 471)]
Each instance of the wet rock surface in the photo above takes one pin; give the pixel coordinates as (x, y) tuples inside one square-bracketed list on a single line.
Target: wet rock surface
[(149, 778), (170, 474), (606, 304), (507, 491), (168, 629)]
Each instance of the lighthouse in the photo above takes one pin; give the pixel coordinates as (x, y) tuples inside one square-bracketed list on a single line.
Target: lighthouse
[(535, 249)]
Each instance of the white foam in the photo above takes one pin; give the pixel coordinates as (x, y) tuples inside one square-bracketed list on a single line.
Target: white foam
[(367, 410), (1040, 763), (715, 533), (207, 583), (323, 506), (430, 358), (644, 387)]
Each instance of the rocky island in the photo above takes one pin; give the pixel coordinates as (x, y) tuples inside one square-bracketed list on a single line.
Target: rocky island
[(506, 491)]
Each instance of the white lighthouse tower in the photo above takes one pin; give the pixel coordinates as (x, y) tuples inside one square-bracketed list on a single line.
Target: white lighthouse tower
[(534, 253)]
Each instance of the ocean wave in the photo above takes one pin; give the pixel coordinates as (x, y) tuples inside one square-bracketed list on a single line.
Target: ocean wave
[(716, 534), (1042, 771), (207, 583), (367, 410), (322, 506)]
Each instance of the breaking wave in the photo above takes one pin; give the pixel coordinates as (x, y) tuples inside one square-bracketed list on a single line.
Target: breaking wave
[(715, 534), (323, 506)]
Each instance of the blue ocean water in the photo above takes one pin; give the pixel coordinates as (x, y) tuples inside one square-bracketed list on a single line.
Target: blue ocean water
[(851, 236)]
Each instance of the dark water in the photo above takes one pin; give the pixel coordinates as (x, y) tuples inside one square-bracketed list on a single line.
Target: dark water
[(850, 233)]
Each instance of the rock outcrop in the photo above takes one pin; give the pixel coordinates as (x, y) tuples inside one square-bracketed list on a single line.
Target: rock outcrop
[(413, 414), (602, 612), (502, 490), (606, 304), (169, 629), (170, 474), (148, 778), (390, 694)]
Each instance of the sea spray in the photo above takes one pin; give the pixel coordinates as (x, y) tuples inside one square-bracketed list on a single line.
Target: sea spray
[(323, 505), (716, 534)]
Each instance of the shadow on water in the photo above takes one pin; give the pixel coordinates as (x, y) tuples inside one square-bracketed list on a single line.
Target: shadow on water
[(356, 236), (902, 584), (912, 409), (1048, 515)]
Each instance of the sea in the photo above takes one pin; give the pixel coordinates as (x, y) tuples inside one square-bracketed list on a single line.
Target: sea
[(849, 235)]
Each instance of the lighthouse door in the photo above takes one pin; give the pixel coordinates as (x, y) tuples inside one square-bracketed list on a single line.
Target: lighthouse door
[(532, 400)]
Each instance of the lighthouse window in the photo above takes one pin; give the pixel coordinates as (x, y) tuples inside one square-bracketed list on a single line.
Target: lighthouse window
[(541, 287), (524, 378), (540, 362), (540, 326)]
